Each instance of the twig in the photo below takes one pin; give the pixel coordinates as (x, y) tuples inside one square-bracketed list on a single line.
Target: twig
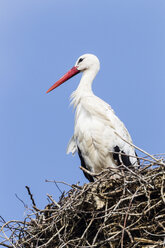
[(55, 203), (32, 199), (158, 161), (25, 206)]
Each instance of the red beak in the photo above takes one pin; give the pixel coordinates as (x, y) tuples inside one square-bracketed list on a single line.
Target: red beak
[(68, 75)]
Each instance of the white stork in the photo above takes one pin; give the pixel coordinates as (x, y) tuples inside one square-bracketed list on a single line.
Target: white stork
[(100, 138)]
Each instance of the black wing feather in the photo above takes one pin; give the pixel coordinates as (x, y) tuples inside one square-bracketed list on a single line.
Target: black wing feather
[(89, 177), (120, 157)]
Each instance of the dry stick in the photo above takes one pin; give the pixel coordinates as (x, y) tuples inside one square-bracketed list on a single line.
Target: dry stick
[(11, 221), (153, 206), (72, 186), (147, 166), (71, 241), (100, 173), (135, 174), (45, 245), (89, 172), (108, 239), (155, 235), (55, 203), (32, 199), (25, 206), (4, 223), (7, 246), (133, 156), (90, 223), (125, 220), (36, 235), (1, 230), (61, 240), (157, 160), (142, 240), (162, 193), (58, 187), (106, 211)]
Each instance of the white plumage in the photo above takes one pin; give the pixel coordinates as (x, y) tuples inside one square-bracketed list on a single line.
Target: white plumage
[(98, 131)]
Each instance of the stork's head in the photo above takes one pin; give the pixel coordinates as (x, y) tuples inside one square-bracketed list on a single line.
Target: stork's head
[(83, 63), (87, 61)]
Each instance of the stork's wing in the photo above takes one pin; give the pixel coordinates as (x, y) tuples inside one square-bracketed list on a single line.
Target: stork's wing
[(72, 147), (124, 152)]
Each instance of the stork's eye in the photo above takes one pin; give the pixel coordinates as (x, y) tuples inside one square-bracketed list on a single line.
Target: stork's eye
[(80, 60)]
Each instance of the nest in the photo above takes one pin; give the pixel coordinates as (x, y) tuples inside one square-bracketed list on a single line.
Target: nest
[(124, 212)]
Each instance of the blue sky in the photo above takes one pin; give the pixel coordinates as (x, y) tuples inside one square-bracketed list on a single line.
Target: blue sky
[(40, 41)]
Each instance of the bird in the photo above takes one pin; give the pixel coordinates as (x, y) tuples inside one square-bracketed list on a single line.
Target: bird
[(100, 138)]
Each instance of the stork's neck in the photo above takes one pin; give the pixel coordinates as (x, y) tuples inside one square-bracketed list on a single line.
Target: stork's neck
[(85, 86)]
